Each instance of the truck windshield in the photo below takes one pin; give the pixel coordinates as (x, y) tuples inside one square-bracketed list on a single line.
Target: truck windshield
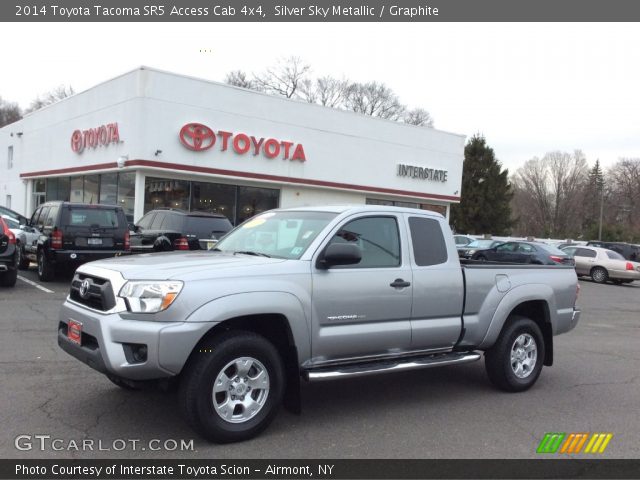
[(284, 234)]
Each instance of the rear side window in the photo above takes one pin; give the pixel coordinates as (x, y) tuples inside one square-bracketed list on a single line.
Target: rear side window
[(52, 216), (92, 217), (173, 222), (429, 247), (42, 217), (157, 221), (207, 227), (614, 255), (583, 252)]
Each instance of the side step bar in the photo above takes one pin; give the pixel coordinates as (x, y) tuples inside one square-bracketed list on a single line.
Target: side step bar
[(371, 368)]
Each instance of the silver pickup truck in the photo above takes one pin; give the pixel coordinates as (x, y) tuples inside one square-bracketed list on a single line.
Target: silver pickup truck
[(310, 294)]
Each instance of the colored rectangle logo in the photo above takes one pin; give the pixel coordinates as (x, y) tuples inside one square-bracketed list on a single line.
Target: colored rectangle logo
[(574, 443)]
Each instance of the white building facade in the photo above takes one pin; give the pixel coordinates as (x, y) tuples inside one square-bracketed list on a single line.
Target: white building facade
[(149, 139)]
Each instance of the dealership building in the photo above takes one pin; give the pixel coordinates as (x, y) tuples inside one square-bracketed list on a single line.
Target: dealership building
[(150, 139)]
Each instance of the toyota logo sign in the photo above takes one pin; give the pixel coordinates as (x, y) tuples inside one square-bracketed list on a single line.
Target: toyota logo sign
[(197, 137), (84, 288)]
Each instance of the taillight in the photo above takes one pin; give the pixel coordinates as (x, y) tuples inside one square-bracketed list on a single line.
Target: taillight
[(127, 241), (630, 266), (181, 243), (556, 258), (7, 232), (56, 239)]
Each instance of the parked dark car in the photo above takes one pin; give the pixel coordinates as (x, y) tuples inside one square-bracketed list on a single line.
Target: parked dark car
[(524, 252), (71, 234), (468, 250), (167, 229), (8, 256), (627, 250)]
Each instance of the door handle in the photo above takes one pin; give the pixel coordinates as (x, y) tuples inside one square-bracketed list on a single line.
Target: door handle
[(399, 283)]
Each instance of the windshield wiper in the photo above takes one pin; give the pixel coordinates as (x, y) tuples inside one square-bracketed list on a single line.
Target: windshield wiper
[(249, 252)]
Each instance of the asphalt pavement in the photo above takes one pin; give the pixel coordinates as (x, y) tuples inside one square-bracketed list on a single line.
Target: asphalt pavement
[(48, 399)]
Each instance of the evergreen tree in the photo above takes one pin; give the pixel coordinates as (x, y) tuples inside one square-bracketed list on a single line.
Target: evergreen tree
[(486, 193), (593, 198)]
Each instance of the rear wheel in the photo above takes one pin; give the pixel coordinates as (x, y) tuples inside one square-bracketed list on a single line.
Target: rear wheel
[(599, 275), (515, 361), (232, 387), (46, 271), (8, 278)]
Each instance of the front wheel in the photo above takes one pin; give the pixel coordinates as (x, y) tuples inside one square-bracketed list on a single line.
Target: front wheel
[(515, 361), (232, 387)]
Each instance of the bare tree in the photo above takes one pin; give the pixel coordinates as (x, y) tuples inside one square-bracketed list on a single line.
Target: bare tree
[(9, 112), (238, 78), (549, 194), (290, 78), (52, 96), (327, 91), (624, 181), (374, 99), (283, 79), (419, 117)]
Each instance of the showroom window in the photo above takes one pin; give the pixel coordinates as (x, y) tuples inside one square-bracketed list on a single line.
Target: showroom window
[(213, 197), (235, 202)]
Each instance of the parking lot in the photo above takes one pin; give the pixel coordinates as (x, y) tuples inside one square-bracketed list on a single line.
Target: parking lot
[(451, 412)]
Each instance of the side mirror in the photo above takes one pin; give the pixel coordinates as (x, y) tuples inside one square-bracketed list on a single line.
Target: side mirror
[(339, 254)]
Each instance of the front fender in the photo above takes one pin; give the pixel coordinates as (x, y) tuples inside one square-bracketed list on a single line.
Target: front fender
[(260, 303), (515, 297)]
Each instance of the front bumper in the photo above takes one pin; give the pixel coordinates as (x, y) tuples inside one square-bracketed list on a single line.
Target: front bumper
[(105, 338)]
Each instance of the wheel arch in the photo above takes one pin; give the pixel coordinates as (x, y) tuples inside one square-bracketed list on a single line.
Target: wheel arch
[(537, 304), (275, 327)]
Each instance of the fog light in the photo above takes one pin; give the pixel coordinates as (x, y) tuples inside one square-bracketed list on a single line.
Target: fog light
[(135, 352)]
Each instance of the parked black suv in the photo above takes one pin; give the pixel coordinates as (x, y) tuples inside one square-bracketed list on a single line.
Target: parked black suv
[(167, 229), (627, 250), (8, 256), (76, 233)]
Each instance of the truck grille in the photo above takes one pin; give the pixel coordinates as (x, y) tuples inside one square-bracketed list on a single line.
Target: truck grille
[(99, 294)]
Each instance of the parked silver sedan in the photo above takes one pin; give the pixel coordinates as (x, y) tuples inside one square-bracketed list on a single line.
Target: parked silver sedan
[(603, 265)]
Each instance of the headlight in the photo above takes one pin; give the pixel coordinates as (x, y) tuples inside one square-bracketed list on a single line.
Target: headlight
[(149, 297), (471, 252)]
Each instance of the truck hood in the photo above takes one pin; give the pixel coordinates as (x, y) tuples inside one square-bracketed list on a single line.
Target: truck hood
[(176, 265)]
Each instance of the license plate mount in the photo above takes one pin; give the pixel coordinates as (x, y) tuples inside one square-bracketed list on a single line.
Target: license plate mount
[(74, 332)]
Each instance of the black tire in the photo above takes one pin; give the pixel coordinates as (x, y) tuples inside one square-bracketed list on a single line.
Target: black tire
[(481, 258), (23, 261), (498, 359), (8, 278), (46, 271), (123, 383), (617, 282), (217, 357), (599, 275)]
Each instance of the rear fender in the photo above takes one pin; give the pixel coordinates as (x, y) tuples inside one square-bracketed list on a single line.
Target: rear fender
[(514, 298)]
